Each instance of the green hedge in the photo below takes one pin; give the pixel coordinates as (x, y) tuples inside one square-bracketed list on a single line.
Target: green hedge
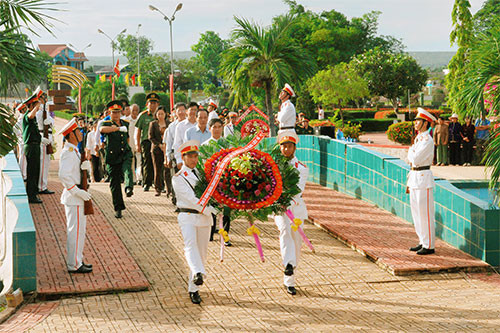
[(64, 114), (373, 125), (360, 114)]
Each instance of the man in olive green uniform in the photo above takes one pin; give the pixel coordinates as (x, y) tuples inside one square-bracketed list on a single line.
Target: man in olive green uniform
[(142, 124), (32, 140), (118, 156)]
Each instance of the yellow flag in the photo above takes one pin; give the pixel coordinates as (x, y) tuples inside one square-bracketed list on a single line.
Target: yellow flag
[(127, 79)]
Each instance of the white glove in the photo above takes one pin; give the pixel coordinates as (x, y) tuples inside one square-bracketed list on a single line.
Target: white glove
[(84, 195), (209, 210), (85, 166), (47, 122), (123, 129), (45, 141)]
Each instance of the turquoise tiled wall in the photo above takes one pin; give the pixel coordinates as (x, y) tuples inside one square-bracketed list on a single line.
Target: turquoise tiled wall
[(24, 237), (462, 220)]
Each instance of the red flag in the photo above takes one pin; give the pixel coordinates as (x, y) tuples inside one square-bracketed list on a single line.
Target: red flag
[(171, 91), (133, 80), (113, 90), (117, 67), (111, 78)]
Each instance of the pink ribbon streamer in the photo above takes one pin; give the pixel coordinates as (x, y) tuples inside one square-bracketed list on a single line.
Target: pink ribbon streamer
[(222, 246), (222, 165), (258, 244), (299, 229)]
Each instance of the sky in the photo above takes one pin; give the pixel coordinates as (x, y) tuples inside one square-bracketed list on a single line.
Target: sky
[(423, 25)]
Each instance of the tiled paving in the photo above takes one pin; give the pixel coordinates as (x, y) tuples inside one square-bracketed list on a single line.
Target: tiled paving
[(114, 269), (380, 235)]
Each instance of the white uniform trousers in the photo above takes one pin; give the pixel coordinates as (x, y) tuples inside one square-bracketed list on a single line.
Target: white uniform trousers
[(195, 248), (290, 243), (422, 211), (137, 164), (76, 225), (44, 168), (22, 160)]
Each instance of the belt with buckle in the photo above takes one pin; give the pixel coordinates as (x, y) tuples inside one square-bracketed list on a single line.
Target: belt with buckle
[(188, 210), (427, 167), (287, 127)]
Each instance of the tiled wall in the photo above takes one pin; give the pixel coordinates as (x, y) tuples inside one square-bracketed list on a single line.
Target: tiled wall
[(462, 220), (24, 237)]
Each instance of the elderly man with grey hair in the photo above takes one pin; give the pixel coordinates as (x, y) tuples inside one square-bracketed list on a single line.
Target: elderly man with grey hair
[(136, 156)]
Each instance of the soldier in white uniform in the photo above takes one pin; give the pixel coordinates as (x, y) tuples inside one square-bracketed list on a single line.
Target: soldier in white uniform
[(73, 197), (44, 157), (194, 221), (212, 110), (421, 183), (291, 241), (286, 116), (18, 130)]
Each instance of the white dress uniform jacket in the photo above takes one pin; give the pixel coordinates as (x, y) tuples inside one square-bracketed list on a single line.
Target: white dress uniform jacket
[(69, 174), (287, 115), (291, 241), (195, 228), (213, 115), (44, 157), (421, 184)]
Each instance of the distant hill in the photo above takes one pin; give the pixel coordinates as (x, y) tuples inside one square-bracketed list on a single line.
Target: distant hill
[(107, 60), (433, 60)]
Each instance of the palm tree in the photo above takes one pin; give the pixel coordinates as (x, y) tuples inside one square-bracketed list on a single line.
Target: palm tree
[(483, 71), (264, 57), (18, 62)]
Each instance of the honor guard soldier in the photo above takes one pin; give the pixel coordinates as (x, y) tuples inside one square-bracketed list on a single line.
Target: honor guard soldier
[(194, 221), (286, 115), (32, 142), (212, 110), (142, 139), (291, 241), (421, 183), (118, 156), (45, 127), (73, 197)]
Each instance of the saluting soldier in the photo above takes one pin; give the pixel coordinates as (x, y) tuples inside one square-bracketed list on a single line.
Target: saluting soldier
[(45, 150), (421, 183), (287, 114), (144, 144), (290, 240), (73, 197), (32, 141), (194, 221), (118, 156)]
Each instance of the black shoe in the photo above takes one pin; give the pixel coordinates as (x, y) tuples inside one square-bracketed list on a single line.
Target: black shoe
[(291, 290), (198, 279), (289, 270), (195, 297), (139, 182), (82, 269), (118, 214), (423, 251), (46, 191), (146, 188), (87, 265), (35, 200), (228, 243), (416, 248), (129, 192)]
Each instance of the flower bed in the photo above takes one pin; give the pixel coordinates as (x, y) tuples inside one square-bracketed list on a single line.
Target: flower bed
[(321, 123), (401, 132)]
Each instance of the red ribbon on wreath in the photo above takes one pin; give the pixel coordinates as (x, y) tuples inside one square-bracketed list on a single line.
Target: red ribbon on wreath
[(250, 109)]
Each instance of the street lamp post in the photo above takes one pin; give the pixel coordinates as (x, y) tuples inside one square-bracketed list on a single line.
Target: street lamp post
[(138, 54), (170, 20), (112, 43)]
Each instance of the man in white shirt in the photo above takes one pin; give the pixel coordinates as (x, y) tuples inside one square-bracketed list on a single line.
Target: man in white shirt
[(180, 131), (136, 156), (48, 123), (321, 112), (200, 132), (421, 184), (287, 114), (229, 128), (215, 128), (169, 135), (92, 154)]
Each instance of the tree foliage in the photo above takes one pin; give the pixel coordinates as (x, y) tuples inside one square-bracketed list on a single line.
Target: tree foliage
[(262, 57), (127, 45), (390, 75), (209, 50), (337, 86)]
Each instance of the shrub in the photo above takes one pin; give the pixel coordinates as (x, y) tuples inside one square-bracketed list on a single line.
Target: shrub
[(139, 99), (351, 130), (384, 114), (374, 125), (400, 132)]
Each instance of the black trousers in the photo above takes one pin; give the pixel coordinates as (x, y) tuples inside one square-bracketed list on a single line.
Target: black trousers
[(468, 148), (454, 152), (96, 168), (115, 172), (159, 178), (147, 163), (32, 152)]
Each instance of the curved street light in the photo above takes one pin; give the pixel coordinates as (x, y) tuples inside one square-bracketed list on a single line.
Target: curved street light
[(170, 20), (112, 43)]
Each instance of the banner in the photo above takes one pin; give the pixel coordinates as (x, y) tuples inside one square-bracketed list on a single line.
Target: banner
[(171, 93)]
